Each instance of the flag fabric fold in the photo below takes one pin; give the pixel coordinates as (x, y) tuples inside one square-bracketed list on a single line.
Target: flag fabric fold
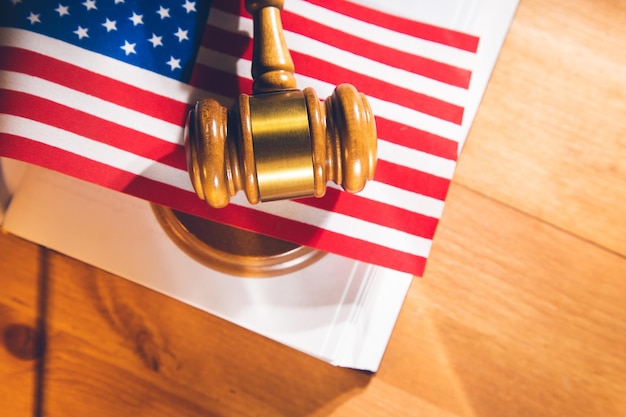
[(100, 90)]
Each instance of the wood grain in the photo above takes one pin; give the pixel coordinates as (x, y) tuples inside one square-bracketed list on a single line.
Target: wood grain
[(550, 137), (522, 310), (20, 331), (119, 349), (272, 65), (524, 318)]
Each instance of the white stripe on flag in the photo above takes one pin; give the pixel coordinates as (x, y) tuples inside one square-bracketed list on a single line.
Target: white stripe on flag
[(414, 159), (401, 198)]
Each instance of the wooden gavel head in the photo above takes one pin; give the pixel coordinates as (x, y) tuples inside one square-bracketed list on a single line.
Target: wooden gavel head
[(280, 142)]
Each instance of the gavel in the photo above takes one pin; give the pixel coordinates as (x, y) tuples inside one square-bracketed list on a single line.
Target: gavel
[(280, 142)]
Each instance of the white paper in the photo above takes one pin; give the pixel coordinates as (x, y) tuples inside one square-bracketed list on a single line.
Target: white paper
[(11, 173)]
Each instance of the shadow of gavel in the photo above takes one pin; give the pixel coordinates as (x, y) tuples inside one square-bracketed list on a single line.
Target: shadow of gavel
[(280, 142)]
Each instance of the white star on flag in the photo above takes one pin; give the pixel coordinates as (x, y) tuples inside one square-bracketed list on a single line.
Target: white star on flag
[(129, 48), (110, 25), (156, 40), (81, 32), (163, 12), (90, 4), (173, 63), (34, 18), (190, 6), (181, 35), (137, 19), (62, 10)]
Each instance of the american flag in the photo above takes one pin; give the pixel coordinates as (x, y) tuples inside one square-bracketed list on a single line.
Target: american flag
[(99, 89)]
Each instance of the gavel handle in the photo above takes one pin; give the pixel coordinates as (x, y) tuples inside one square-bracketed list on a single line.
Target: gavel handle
[(272, 66)]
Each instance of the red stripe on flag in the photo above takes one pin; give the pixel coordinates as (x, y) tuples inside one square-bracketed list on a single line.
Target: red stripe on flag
[(220, 82), (220, 40), (235, 44), (417, 139), (62, 117), (88, 82), (230, 6), (412, 180), (64, 162)]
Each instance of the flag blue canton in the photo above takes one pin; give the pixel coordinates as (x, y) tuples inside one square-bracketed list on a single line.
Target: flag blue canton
[(158, 36)]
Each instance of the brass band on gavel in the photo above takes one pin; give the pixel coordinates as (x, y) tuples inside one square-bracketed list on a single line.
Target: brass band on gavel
[(282, 145), (280, 142)]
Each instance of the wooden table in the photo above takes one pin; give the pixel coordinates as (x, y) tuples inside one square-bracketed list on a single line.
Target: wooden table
[(522, 311)]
